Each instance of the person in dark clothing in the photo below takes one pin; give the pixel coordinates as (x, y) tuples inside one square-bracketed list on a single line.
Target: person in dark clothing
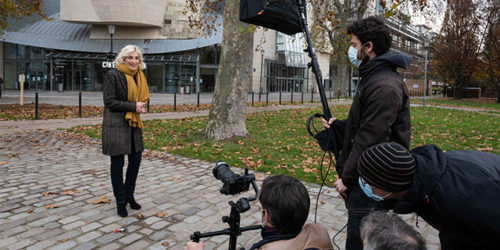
[(285, 208), (380, 112), (125, 92), (456, 192)]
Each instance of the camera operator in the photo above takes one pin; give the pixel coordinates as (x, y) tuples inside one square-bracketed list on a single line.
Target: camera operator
[(456, 192), (380, 112), (383, 231), (285, 207)]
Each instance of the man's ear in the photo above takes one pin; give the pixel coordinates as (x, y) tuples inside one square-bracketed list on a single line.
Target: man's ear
[(268, 218), (369, 47)]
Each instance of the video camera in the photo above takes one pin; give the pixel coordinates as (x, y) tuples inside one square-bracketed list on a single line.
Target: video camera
[(232, 184)]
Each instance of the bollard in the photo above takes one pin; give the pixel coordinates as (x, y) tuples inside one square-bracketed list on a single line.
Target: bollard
[(198, 101), (291, 97), (267, 97), (79, 104), (302, 98), (36, 105), (148, 105), (280, 97), (312, 95), (175, 100), (252, 98)]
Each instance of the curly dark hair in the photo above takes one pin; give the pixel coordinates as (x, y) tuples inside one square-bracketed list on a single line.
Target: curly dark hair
[(372, 29)]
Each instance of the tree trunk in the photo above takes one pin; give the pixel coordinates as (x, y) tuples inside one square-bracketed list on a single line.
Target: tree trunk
[(227, 112), (341, 76), (498, 94), (457, 94)]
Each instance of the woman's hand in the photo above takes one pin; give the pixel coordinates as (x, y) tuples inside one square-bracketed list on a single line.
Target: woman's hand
[(327, 124), (140, 107)]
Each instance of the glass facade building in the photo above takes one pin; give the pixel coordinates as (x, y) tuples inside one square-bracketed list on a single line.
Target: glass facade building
[(47, 69)]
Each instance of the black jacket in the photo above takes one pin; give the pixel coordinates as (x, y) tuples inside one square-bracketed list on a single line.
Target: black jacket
[(380, 111), (457, 192)]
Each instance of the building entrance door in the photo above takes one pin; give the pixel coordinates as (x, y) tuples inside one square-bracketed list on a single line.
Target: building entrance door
[(154, 76)]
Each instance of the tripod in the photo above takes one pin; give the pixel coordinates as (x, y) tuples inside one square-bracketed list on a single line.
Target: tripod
[(234, 230)]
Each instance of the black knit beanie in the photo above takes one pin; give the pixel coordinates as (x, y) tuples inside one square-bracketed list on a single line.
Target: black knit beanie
[(388, 166)]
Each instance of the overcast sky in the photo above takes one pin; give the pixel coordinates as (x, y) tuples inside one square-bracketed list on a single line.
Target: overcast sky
[(431, 16)]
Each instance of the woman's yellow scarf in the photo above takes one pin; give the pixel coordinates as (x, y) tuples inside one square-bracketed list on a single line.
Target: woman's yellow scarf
[(137, 92)]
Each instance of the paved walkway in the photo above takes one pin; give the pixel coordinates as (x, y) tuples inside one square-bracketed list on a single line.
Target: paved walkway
[(50, 180)]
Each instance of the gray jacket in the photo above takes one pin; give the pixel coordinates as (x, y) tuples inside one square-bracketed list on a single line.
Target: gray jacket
[(116, 133)]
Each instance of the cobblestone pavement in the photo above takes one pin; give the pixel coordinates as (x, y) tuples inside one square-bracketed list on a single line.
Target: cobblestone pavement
[(37, 211)]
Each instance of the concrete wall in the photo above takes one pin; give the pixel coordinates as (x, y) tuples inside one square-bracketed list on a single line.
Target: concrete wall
[(176, 24), (324, 66), (119, 12), (126, 32), (139, 19), (263, 41)]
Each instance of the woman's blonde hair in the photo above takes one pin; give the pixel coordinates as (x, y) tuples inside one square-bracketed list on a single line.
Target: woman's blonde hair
[(126, 51)]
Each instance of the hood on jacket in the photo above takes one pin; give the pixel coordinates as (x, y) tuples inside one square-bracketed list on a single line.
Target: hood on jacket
[(431, 165), (398, 58)]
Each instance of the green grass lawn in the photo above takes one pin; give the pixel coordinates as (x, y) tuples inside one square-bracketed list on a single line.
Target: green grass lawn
[(279, 143), (472, 103)]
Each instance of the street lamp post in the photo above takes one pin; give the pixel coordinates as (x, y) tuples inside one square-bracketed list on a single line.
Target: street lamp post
[(426, 47), (261, 69), (111, 29)]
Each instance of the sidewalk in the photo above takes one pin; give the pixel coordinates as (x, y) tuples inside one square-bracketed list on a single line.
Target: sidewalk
[(40, 164), (95, 98)]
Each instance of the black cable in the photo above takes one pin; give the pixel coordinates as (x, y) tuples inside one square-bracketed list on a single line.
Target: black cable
[(323, 178), (333, 239)]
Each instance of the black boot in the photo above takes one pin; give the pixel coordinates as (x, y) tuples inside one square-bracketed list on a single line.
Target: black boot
[(122, 209), (133, 204)]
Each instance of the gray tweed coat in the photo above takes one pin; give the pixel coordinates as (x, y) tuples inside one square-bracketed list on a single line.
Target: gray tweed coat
[(116, 133)]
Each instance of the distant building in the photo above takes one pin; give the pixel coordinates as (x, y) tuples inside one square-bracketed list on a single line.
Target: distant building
[(409, 39), (71, 52)]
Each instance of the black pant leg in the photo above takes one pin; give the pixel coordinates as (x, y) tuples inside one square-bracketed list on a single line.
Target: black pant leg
[(116, 170), (358, 206), (134, 162)]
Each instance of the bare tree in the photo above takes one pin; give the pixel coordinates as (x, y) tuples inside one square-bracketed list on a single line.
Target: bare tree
[(227, 117), (491, 50), (331, 19), (228, 110), (455, 49), (18, 9)]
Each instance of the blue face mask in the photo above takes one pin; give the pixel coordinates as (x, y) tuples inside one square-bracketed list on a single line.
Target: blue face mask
[(368, 190), (353, 56)]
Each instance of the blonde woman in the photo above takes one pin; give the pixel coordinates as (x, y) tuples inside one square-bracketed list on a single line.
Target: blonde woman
[(125, 92)]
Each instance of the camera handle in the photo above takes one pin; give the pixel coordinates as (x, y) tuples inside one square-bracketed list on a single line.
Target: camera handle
[(234, 230)]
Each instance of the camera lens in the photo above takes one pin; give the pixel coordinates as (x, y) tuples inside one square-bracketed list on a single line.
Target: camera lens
[(222, 172)]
